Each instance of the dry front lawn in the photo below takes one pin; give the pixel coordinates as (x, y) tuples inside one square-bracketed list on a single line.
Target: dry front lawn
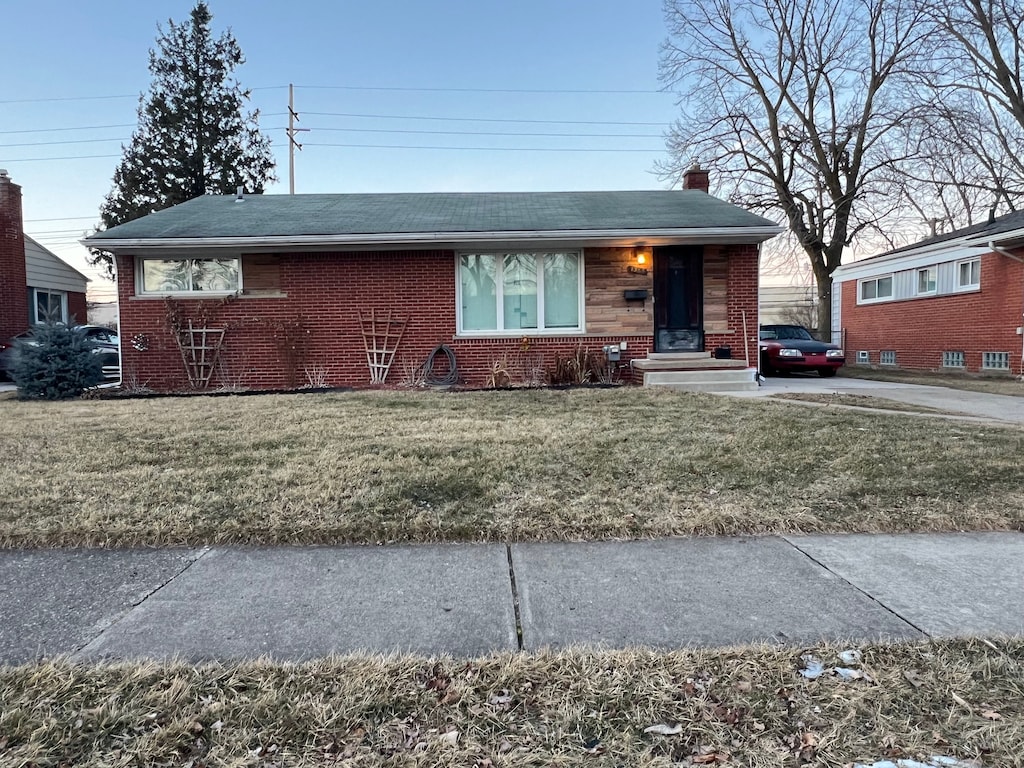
[(521, 465), (962, 700)]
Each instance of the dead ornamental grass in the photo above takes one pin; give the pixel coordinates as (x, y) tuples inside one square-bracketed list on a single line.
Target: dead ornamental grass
[(740, 707), (523, 465)]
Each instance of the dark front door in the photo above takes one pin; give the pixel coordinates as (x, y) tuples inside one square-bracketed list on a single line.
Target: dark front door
[(679, 299)]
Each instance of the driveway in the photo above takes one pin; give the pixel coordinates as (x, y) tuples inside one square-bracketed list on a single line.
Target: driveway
[(1004, 408)]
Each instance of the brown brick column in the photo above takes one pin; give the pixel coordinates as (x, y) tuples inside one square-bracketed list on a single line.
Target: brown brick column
[(13, 293)]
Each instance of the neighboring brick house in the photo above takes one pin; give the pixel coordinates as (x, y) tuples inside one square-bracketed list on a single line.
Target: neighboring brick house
[(954, 302), (34, 283), (667, 276)]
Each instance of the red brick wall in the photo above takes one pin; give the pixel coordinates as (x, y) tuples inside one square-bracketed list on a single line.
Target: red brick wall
[(742, 300), (13, 293), (78, 313), (326, 293), (919, 330)]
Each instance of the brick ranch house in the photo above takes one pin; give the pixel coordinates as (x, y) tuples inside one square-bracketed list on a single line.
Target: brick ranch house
[(949, 303), (34, 283), (499, 278)]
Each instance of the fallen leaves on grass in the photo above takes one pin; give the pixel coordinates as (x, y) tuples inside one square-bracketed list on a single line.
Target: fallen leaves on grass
[(733, 707)]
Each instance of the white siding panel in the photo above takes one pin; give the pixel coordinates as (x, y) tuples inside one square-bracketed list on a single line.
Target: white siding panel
[(837, 313), (45, 270), (945, 281), (904, 284)]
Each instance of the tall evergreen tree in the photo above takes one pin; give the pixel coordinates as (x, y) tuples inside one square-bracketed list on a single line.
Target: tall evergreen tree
[(194, 135)]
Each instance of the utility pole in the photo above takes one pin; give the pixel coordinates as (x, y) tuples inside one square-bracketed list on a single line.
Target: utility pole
[(293, 118)]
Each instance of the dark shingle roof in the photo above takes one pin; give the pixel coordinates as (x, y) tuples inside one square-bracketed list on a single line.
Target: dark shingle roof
[(311, 215), (985, 231)]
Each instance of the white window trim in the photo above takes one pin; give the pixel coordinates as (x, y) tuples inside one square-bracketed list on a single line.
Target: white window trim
[(986, 359), (140, 289), (34, 306), (917, 286), (950, 352), (971, 286), (518, 333), (875, 279)]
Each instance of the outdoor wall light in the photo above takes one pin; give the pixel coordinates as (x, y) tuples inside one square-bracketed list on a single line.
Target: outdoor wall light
[(641, 256)]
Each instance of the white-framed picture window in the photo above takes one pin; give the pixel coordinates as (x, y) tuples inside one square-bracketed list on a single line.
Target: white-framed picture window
[(874, 289), (968, 274), (927, 279), (511, 292), (48, 306), (161, 277)]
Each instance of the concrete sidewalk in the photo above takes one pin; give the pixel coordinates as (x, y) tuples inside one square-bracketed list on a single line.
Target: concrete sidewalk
[(978, 405), (297, 603)]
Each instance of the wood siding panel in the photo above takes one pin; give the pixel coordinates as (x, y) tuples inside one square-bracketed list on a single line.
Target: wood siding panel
[(261, 275), (716, 291), (607, 276)]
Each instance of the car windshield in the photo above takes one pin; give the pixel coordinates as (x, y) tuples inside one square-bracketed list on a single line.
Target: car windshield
[(792, 332)]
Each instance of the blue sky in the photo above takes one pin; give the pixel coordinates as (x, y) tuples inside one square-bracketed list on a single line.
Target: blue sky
[(347, 59)]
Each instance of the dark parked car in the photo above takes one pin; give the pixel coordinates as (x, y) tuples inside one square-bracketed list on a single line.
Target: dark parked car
[(788, 348), (106, 342)]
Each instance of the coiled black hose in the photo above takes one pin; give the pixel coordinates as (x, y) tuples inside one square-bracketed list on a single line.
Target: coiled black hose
[(451, 377)]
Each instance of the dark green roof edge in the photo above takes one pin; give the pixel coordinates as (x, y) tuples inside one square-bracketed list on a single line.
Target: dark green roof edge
[(216, 216)]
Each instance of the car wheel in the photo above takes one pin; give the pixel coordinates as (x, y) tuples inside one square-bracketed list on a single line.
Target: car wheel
[(766, 369), (826, 372)]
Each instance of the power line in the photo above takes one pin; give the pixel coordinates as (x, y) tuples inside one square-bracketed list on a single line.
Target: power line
[(481, 149), (475, 90), (494, 133), (54, 143), (62, 218), (77, 128), (479, 119), (70, 98), (44, 159)]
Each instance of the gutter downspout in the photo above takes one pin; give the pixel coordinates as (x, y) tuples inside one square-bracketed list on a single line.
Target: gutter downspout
[(1004, 252)]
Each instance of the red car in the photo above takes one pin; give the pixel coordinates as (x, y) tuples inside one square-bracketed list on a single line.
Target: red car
[(788, 348)]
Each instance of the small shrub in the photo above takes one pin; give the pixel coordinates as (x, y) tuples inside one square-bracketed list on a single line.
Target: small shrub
[(57, 364)]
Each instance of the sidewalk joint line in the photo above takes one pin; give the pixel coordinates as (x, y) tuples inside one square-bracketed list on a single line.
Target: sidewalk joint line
[(866, 594), (515, 596), (203, 552)]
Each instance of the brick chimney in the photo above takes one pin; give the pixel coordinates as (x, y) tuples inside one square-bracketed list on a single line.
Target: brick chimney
[(695, 178), (13, 290)]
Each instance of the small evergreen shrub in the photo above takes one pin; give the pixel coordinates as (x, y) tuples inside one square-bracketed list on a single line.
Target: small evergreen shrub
[(57, 364)]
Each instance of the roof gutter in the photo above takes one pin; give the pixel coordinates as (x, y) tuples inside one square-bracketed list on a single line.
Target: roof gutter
[(1004, 252), (756, 234)]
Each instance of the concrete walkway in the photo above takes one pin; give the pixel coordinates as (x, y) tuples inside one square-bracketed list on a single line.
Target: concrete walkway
[(997, 408), (296, 603)]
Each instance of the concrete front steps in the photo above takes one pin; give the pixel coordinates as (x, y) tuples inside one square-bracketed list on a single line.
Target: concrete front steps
[(696, 372)]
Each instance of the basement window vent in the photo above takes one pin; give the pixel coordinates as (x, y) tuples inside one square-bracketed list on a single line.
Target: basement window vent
[(864, 357), (995, 361), (952, 359), (887, 357)]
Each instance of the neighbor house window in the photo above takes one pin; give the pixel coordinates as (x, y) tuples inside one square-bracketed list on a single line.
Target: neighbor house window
[(926, 279), (876, 289), (164, 276), (995, 361), (48, 306), (887, 357), (968, 273), (952, 359), (506, 292)]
